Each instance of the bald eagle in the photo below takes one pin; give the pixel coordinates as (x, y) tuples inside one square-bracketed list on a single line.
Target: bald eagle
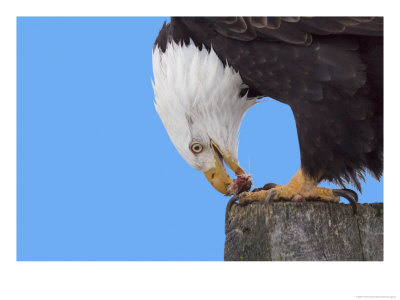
[(209, 71)]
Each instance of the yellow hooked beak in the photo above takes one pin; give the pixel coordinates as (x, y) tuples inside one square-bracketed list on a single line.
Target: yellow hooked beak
[(218, 177)]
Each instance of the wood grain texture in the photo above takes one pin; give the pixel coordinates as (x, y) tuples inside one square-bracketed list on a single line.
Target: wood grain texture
[(305, 231)]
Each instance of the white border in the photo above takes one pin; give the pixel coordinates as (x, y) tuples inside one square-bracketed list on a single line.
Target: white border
[(192, 280)]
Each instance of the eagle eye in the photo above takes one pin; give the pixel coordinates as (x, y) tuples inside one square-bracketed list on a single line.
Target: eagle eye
[(243, 91), (196, 147)]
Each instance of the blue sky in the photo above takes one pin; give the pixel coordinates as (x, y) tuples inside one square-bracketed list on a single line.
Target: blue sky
[(97, 176)]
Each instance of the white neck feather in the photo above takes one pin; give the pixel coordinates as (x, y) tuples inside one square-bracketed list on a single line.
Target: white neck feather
[(197, 98)]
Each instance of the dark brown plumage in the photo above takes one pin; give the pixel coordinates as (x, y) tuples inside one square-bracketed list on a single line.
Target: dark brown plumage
[(329, 70)]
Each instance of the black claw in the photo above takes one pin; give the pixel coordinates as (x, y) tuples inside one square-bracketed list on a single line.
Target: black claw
[(350, 195), (355, 196), (266, 187), (269, 196), (269, 186), (229, 206), (233, 200)]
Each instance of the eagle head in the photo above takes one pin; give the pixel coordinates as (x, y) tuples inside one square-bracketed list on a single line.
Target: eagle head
[(200, 104)]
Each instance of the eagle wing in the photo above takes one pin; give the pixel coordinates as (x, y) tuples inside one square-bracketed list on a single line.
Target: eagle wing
[(290, 57), (294, 30)]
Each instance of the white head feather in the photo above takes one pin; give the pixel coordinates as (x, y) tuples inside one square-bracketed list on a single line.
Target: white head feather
[(197, 99)]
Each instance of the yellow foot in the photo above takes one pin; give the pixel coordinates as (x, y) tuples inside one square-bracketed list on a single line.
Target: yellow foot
[(289, 192), (300, 188)]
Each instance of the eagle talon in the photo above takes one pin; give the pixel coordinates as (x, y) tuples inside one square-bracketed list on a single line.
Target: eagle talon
[(229, 206), (350, 195), (230, 203), (270, 197), (266, 187), (355, 196), (249, 197)]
